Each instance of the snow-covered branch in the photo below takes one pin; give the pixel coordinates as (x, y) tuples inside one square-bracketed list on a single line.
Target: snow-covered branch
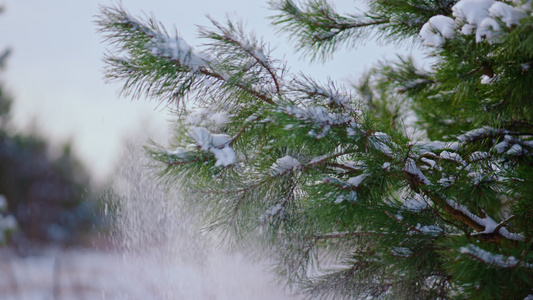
[(318, 116), (251, 48), (485, 225), (169, 63), (319, 27), (496, 260), (218, 144)]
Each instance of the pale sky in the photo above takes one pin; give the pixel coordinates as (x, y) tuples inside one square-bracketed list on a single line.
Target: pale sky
[(56, 79)]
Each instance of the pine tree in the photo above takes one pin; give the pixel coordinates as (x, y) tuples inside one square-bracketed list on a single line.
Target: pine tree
[(412, 184)]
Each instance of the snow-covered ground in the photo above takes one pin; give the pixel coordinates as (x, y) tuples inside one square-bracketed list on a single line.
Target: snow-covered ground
[(92, 274)]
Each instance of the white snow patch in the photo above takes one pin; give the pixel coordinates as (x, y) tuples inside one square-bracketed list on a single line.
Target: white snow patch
[(179, 152), (501, 146), (318, 115), (490, 30), (437, 30), (202, 137), (8, 222), (251, 119), (206, 117), (260, 54), (332, 96), (497, 260), (474, 134), (471, 12), (284, 165), (523, 4), (225, 156), (411, 168), (446, 181), (511, 146), (158, 273), (218, 144), (479, 133), (379, 141), (453, 157), (528, 144), (220, 140), (270, 212), (487, 222), (486, 79), (324, 157), (477, 178), (402, 251), (415, 204), (508, 14), (515, 150), (479, 155), (429, 229), (428, 161), (176, 48), (356, 181), (479, 17), (426, 147), (351, 197)]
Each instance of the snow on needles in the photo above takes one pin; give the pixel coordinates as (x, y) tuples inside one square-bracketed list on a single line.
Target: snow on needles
[(411, 168), (415, 204), (218, 144), (437, 29), (497, 260), (205, 117), (479, 17), (317, 115), (177, 49), (489, 225), (379, 141), (174, 48), (284, 165), (357, 180)]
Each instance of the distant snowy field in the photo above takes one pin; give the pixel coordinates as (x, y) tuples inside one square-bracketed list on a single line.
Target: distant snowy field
[(90, 274)]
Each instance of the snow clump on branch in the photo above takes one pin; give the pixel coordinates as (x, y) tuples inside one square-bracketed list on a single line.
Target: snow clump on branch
[(284, 165), (176, 48), (437, 29), (218, 144), (479, 17)]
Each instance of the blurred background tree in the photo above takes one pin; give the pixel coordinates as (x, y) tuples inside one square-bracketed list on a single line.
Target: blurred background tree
[(47, 191)]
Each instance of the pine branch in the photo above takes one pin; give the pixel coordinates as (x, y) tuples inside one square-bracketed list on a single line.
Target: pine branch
[(245, 88), (165, 66), (248, 47), (485, 225), (319, 29), (304, 148), (486, 133)]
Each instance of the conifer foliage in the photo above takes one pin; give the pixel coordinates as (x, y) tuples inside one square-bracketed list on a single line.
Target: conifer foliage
[(411, 184)]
